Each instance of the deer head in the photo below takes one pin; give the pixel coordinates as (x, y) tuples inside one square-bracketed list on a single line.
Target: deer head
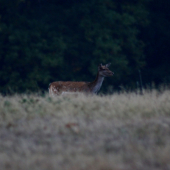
[(104, 70)]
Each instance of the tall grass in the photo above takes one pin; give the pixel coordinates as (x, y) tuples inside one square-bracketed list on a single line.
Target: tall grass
[(119, 132)]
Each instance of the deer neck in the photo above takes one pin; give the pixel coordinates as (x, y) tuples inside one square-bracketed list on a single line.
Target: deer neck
[(96, 84)]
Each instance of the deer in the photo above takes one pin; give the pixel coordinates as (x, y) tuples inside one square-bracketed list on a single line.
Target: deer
[(68, 87)]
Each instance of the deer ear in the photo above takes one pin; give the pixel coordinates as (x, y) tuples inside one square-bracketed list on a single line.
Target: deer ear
[(107, 65)]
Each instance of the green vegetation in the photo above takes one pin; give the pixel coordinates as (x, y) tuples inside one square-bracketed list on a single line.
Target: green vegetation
[(44, 41), (121, 131)]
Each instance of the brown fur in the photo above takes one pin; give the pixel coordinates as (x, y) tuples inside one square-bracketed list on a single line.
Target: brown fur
[(59, 87)]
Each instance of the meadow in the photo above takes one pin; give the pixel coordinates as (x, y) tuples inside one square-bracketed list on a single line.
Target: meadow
[(113, 132)]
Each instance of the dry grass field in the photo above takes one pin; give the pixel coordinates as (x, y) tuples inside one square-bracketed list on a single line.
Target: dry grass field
[(114, 132)]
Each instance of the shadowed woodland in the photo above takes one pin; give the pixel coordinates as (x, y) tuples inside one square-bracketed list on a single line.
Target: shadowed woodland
[(44, 41)]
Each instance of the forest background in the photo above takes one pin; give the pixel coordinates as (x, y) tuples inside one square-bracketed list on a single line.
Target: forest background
[(44, 41)]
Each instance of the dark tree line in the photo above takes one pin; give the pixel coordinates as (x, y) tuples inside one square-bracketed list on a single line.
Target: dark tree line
[(43, 41)]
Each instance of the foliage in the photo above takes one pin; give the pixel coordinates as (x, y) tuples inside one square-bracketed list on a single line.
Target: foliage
[(157, 38), (43, 41)]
